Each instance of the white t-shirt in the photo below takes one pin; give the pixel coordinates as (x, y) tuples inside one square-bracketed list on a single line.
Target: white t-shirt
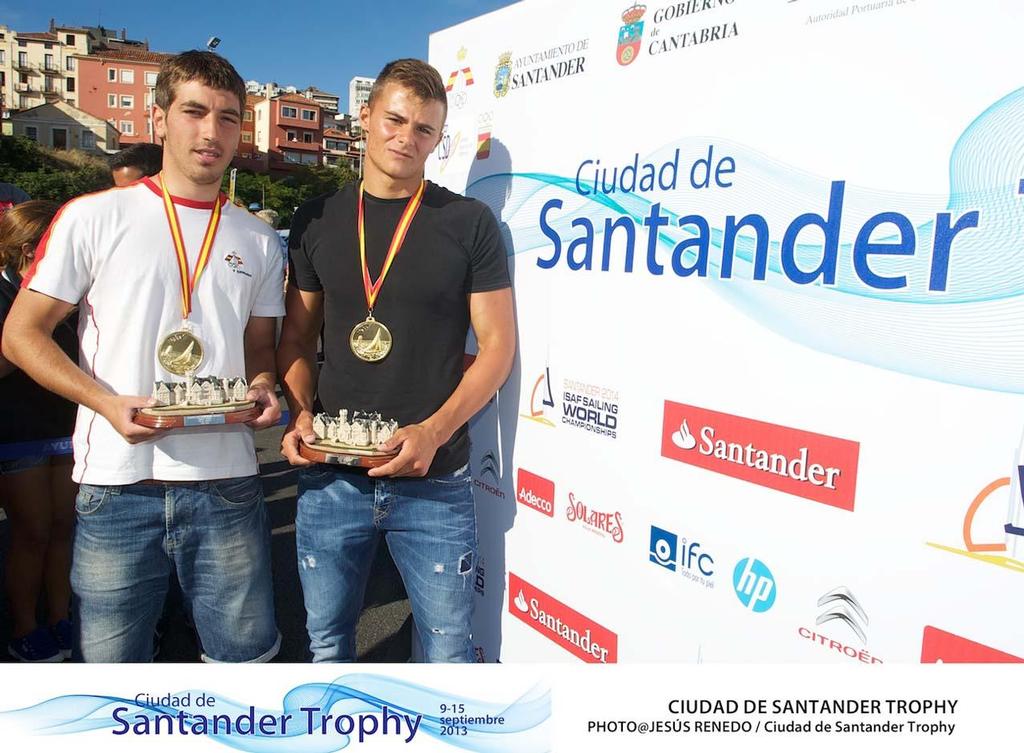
[(111, 253)]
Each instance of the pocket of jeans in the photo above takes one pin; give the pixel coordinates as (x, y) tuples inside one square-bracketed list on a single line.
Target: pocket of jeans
[(238, 492), (90, 498), (456, 477)]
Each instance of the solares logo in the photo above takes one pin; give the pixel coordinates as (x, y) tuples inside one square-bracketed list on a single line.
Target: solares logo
[(801, 463)]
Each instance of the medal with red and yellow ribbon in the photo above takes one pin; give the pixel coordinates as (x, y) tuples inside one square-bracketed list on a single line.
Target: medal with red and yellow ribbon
[(371, 340), (181, 352)]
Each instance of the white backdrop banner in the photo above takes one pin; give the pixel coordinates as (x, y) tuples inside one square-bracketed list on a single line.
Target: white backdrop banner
[(768, 259)]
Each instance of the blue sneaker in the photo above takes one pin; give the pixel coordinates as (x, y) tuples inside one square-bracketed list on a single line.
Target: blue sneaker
[(37, 646), (62, 634)]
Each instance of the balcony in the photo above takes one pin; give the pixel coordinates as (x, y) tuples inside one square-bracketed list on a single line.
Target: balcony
[(24, 88), (23, 67), (51, 69)]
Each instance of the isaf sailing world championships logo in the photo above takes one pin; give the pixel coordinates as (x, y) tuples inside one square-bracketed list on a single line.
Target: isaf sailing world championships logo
[(630, 34)]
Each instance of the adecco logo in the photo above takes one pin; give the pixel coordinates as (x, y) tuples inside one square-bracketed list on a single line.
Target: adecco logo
[(797, 462), (938, 646), (536, 492), (576, 633)]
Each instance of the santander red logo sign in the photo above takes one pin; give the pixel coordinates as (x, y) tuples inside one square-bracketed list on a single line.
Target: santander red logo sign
[(536, 492), (939, 646), (802, 463), (577, 634)]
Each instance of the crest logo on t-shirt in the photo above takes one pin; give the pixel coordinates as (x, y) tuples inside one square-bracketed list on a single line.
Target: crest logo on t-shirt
[(235, 262)]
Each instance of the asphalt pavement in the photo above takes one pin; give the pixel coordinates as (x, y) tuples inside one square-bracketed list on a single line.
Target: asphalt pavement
[(385, 626)]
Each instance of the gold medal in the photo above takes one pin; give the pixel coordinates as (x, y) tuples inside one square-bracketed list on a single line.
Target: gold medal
[(370, 340), (181, 352)]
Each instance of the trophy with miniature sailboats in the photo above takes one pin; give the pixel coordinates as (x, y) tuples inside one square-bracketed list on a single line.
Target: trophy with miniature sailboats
[(350, 439), (194, 401)]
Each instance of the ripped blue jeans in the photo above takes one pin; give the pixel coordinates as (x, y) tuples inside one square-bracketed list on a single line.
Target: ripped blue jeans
[(430, 527)]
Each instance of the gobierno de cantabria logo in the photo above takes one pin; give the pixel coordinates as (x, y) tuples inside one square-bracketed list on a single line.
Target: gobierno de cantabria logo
[(630, 34)]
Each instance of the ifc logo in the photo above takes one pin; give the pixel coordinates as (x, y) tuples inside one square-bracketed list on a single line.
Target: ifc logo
[(754, 584), (663, 548)]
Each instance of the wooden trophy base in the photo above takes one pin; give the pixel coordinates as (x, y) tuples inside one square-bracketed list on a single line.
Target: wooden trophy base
[(348, 456), (180, 418)]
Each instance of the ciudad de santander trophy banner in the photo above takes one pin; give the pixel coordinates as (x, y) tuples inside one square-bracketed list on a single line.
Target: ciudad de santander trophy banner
[(762, 441)]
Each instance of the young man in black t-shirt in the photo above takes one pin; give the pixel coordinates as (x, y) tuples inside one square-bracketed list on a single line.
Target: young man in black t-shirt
[(426, 264)]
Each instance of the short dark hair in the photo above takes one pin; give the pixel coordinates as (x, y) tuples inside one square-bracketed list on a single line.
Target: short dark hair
[(208, 68), (148, 158), (422, 79)]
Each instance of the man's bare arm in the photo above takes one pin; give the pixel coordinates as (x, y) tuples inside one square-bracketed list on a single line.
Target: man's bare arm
[(259, 369), (296, 363), (28, 343), (493, 321)]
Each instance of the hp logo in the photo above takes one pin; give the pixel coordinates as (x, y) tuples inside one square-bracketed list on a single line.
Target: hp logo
[(754, 584)]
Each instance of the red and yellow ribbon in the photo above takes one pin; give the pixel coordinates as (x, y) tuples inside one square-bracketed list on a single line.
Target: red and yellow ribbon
[(188, 284), (372, 289)]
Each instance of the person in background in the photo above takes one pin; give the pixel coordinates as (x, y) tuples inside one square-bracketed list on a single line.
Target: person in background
[(136, 162), (36, 489), (10, 195)]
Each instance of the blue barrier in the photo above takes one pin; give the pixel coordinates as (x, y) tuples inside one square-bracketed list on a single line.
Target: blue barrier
[(62, 446)]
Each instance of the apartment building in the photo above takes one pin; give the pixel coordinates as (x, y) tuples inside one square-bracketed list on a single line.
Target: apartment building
[(328, 102), (39, 67), (117, 85), (358, 94), (289, 130)]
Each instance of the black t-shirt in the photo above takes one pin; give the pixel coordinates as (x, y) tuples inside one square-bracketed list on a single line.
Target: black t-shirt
[(27, 411), (453, 248)]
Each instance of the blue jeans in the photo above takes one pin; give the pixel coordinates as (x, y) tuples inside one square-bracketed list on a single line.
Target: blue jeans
[(430, 528), (215, 535)]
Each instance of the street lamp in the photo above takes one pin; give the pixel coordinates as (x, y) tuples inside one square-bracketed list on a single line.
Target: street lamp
[(211, 43)]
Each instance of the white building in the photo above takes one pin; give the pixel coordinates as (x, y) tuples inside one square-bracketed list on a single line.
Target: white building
[(358, 94)]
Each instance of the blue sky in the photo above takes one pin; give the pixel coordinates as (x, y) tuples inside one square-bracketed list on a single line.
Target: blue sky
[(297, 43)]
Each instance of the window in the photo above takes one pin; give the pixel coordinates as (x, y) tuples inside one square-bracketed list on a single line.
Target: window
[(292, 136), (88, 140), (309, 159), (2, 59), (127, 76), (127, 101), (331, 144), (48, 86), (48, 62), (111, 74), (307, 138), (22, 43), (47, 45), (289, 112), (69, 63), (69, 85), (111, 100), (292, 157), (3, 78), (22, 78), (246, 138), (309, 115), (31, 132), (22, 101), (247, 116), (149, 100), (127, 128), (69, 39), (23, 59), (150, 78)]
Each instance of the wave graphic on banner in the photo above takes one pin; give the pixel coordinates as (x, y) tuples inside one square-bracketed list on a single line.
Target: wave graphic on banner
[(321, 717), (966, 329)]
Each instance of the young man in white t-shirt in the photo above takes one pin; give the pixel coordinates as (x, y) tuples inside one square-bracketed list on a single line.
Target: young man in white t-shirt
[(152, 500)]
